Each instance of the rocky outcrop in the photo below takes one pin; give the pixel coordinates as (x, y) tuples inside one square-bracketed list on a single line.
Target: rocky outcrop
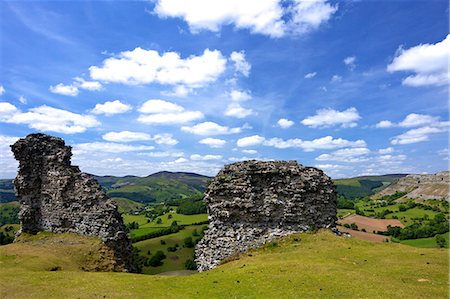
[(57, 197), (421, 186), (252, 202)]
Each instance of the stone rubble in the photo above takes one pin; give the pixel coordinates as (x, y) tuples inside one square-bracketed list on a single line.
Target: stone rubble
[(251, 203), (57, 197)]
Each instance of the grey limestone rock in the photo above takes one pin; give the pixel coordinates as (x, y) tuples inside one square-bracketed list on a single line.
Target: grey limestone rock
[(252, 202), (55, 196)]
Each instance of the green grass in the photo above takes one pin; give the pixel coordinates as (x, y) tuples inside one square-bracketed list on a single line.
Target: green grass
[(425, 242), (344, 212), (318, 266), (126, 205), (145, 228), (175, 260)]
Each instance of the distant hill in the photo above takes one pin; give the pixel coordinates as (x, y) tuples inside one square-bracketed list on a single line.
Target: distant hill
[(157, 187), (362, 186), (422, 186)]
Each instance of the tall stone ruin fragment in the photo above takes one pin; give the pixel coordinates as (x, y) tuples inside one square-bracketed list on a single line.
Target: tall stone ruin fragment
[(55, 196), (251, 203)]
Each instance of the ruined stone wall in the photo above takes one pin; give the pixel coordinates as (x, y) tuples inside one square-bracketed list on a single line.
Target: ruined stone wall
[(252, 202), (57, 197)]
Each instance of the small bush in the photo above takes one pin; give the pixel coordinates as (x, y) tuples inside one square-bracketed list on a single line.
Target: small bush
[(190, 265)]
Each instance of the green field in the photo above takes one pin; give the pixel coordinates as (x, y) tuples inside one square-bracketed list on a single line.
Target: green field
[(317, 266), (145, 228), (358, 187), (425, 242), (175, 260), (124, 205), (344, 212), (8, 212)]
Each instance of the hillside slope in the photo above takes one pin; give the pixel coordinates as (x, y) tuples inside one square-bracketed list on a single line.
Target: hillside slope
[(303, 266), (362, 186), (422, 186)]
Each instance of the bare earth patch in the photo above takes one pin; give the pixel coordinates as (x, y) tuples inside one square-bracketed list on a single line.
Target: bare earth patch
[(363, 236), (370, 224)]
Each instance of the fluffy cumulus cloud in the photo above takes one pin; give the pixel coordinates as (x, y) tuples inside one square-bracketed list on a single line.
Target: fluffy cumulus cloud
[(66, 90), (384, 124), (126, 136), (240, 95), (325, 118), (236, 110), (420, 134), (109, 147), (209, 129), (156, 111), (268, 17), (350, 61), (111, 107), (8, 164), (327, 142), (141, 66), (197, 157), (310, 75), (356, 154), (213, 142), (240, 64), (428, 62), (2, 90), (88, 85), (285, 123), (387, 150), (45, 118), (165, 138)]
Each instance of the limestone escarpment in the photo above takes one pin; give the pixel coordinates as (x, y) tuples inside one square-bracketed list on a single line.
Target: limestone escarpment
[(57, 197), (252, 202), (422, 186)]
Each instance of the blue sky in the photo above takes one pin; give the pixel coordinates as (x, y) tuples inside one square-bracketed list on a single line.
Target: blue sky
[(352, 87)]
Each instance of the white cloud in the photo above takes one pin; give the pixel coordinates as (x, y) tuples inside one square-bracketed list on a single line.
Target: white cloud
[(210, 128), (285, 123), (250, 151), (180, 160), (250, 141), (331, 166), (325, 118), (350, 61), (268, 17), (88, 85), (310, 75), (22, 100), (428, 62), (6, 110), (164, 112), (160, 106), (240, 64), (384, 124), (170, 118), (126, 136), (141, 66), (109, 147), (336, 78), (67, 90), (346, 155), (445, 153), (416, 120), (181, 91), (236, 110), (420, 134), (197, 157), (2, 90), (47, 118), (327, 142), (162, 154), (8, 164), (111, 108), (387, 150), (213, 142), (240, 96), (165, 138)]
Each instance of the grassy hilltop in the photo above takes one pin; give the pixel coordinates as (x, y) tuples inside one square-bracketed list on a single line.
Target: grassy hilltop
[(303, 265)]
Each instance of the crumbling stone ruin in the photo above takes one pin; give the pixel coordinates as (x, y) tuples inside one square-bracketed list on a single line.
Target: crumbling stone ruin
[(57, 197), (253, 202)]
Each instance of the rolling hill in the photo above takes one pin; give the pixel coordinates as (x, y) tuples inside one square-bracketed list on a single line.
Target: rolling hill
[(307, 265), (157, 187), (362, 186)]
